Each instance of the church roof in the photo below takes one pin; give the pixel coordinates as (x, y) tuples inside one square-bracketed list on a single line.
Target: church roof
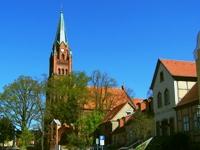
[(61, 34), (115, 97)]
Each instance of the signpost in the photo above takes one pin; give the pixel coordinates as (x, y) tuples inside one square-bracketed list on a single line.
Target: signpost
[(97, 143), (102, 140)]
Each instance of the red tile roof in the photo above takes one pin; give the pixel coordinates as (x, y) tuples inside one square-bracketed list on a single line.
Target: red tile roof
[(177, 68), (116, 96), (190, 97), (111, 114), (180, 68)]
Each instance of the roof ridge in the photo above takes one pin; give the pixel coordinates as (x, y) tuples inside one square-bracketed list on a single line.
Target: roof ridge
[(178, 60)]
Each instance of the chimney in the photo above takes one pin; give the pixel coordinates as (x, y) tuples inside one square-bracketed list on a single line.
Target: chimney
[(121, 122)]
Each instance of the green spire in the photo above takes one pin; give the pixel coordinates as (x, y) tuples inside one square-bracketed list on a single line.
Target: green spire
[(61, 35)]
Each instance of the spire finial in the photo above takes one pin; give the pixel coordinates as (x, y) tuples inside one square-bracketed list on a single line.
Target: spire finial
[(61, 6)]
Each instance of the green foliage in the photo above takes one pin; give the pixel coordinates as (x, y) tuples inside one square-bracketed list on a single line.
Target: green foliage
[(6, 130), (25, 139), (66, 96), (143, 125), (19, 101), (87, 125)]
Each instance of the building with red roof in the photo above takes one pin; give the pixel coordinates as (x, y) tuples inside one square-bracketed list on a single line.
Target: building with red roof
[(172, 79), (188, 108), (116, 120)]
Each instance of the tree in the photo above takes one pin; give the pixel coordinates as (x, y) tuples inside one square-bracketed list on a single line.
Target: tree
[(87, 124), (66, 97), (20, 102), (25, 138), (101, 89), (6, 130), (142, 125)]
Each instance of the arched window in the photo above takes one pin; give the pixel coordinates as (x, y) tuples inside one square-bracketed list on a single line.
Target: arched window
[(166, 97), (161, 77), (63, 57), (63, 71), (159, 100), (58, 54), (66, 72), (59, 72), (67, 58)]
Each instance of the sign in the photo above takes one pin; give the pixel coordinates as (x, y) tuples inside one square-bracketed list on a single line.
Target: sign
[(102, 140), (97, 141)]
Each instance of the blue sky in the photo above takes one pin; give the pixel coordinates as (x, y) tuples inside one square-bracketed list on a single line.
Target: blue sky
[(123, 38)]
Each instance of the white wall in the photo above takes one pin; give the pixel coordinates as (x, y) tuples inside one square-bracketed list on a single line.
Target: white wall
[(177, 90)]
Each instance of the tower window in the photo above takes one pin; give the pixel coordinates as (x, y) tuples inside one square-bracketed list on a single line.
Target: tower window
[(63, 72), (66, 71), (59, 71), (57, 54), (63, 57)]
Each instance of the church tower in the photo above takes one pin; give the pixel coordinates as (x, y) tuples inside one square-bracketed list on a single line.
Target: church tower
[(61, 55)]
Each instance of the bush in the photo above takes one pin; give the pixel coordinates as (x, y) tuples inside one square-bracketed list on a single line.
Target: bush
[(179, 141)]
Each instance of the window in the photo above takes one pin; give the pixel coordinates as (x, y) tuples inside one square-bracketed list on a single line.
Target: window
[(63, 57), (164, 127), (57, 54), (157, 128), (166, 97), (186, 125), (159, 100), (59, 72), (128, 112), (161, 77), (196, 122), (66, 72)]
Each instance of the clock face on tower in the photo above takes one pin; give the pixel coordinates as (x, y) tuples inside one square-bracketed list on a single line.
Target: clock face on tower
[(62, 50)]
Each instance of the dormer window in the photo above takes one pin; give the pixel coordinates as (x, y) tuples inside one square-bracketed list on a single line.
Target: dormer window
[(161, 76), (128, 112)]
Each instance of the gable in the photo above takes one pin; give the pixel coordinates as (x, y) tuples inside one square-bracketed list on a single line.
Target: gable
[(160, 68), (123, 111), (179, 70)]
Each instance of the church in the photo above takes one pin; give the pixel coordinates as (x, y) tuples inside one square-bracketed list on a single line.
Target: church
[(60, 64)]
